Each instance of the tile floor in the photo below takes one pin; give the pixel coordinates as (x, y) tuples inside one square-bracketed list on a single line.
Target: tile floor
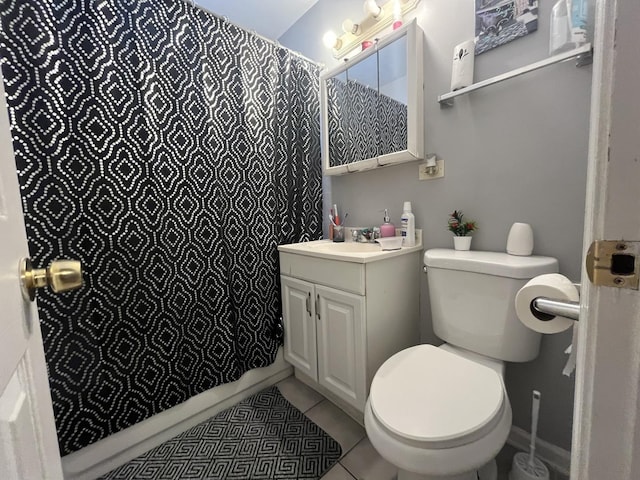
[(359, 459)]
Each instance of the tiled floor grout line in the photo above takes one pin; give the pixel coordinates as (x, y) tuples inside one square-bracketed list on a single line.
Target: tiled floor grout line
[(345, 467), (344, 454), (314, 405)]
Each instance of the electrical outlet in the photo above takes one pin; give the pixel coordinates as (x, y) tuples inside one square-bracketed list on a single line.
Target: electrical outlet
[(423, 169)]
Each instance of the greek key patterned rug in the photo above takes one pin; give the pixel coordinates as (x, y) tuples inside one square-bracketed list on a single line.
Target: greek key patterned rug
[(262, 437)]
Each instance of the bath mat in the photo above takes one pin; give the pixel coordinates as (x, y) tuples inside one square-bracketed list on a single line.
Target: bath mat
[(262, 437)]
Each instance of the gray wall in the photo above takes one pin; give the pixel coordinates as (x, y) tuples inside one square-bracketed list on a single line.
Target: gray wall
[(514, 152)]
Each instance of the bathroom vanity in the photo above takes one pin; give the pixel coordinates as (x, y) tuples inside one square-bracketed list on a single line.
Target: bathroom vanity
[(347, 307)]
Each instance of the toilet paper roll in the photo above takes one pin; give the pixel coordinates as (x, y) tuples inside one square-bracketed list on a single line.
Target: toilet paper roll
[(552, 285)]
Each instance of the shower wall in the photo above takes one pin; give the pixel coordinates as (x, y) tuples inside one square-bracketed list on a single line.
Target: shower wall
[(170, 152)]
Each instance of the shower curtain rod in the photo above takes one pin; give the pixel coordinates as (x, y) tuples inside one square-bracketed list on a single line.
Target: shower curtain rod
[(253, 32)]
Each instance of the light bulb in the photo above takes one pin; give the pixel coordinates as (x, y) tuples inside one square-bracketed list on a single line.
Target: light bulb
[(397, 8), (372, 8), (349, 27), (397, 14), (331, 40)]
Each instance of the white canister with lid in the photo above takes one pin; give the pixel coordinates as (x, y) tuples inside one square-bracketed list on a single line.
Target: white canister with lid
[(520, 240)]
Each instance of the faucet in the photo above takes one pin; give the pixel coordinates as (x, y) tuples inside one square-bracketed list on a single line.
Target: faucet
[(365, 235)]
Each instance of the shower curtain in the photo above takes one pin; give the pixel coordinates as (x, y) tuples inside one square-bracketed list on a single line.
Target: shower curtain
[(171, 152)]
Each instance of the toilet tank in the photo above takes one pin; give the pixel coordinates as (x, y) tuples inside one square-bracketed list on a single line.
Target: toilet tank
[(472, 301)]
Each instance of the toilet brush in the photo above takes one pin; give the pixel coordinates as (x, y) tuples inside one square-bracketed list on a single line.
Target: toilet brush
[(527, 466)]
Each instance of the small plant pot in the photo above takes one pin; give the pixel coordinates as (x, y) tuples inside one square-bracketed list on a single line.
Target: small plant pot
[(462, 243)]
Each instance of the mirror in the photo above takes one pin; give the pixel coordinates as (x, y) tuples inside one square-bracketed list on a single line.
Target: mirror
[(361, 99), (393, 98), (372, 106), (337, 119)]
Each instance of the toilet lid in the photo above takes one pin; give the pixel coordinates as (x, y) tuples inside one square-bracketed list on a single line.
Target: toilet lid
[(427, 394)]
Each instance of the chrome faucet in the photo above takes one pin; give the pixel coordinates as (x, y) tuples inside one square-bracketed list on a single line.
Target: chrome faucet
[(365, 235)]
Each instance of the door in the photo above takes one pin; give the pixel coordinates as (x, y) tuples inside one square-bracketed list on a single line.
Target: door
[(341, 344), (606, 426), (28, 441), (298, 315)]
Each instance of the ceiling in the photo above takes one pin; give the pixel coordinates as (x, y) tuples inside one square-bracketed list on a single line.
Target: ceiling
[(269, 18)]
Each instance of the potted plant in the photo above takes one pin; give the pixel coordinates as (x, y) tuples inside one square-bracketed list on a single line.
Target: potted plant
[(461, 229)]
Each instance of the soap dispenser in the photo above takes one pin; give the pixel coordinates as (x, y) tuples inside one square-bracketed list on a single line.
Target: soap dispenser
[(387, 229)]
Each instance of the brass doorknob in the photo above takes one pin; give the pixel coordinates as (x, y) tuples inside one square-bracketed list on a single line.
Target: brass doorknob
[(60, 276)]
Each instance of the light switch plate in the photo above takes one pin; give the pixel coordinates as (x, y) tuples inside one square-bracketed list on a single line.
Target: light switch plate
[(422, 171)]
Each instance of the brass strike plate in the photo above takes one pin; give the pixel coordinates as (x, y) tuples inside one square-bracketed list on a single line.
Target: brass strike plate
[(614, 263)]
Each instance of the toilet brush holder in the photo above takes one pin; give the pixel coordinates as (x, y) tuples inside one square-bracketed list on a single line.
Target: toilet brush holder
[(523, 470), (525, 465)]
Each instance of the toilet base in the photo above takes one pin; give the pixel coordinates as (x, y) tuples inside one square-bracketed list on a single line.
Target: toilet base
[(489, 471)]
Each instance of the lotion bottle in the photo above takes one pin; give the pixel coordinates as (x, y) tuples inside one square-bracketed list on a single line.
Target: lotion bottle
[(408, 222), (387, 229)]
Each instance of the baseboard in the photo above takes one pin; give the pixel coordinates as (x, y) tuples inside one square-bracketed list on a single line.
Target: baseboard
[(555, 457)]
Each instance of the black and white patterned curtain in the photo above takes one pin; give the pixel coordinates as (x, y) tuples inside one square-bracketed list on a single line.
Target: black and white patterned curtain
[(170, 152)]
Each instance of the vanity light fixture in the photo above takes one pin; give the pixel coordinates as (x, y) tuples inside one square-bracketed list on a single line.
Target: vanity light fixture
[(331, 40), (379, 18)]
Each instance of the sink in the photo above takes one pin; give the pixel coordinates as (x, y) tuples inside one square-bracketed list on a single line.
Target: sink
[(346, 251), (346, 247)]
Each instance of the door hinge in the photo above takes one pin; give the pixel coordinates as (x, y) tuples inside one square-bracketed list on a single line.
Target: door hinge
[(614, 263)]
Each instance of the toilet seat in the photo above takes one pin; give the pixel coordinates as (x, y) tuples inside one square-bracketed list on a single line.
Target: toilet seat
[(436, 399)]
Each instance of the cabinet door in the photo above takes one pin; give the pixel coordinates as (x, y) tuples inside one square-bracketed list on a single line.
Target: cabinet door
[(298, 314), (341, 344)]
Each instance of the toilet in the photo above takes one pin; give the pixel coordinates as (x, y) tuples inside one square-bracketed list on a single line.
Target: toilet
[(442, 412)]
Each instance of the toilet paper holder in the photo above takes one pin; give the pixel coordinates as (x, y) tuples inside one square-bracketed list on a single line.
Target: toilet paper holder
[(547, 309)]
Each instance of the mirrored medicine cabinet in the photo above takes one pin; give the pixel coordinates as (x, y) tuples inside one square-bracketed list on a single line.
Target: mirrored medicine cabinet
[(372, 106)]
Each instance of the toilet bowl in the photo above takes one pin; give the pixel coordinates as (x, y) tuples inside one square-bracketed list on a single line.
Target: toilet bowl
[(442, 413), (439, 413)]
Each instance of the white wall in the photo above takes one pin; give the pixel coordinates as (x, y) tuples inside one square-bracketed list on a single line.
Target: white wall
[(514, 152)]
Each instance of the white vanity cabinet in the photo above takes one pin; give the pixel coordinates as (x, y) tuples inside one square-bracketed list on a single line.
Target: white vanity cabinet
[(325, 336), (343, 317)]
